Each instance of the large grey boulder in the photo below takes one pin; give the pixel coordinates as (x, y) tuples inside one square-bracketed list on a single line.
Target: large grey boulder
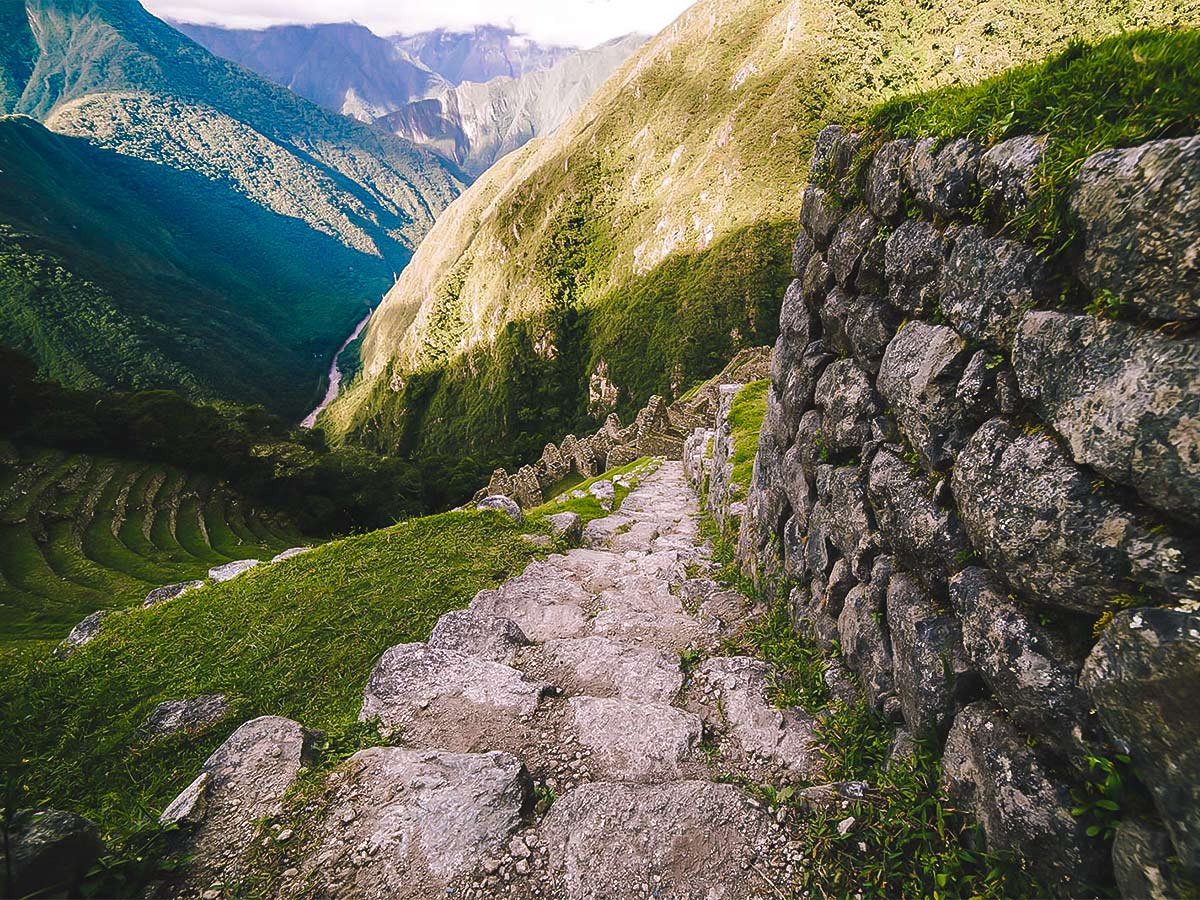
[(802, 251), (567, 527), (846, 395), (932, 673), (84, 633), (884, 187), (919, 378), (1008, 174), (47, 852), (406, 823), (989, 283), (478, 633), (506, 506), (833, 153), (689, 839), (601, 667), (192, 716), (170, 592), (1142, 676), (242, 783), (1030, 669), (816, 282), (843, 490), (1138, 211), (1125, 398), (913, 260), (864, 639), (819, 215), (923, 534), (989, 769), (859, 325), (232, 570), (1057, 538), (783, 736), (944, 178), (1141, 858), (446, 698), (848, 245), (632, 740), (795, 321)]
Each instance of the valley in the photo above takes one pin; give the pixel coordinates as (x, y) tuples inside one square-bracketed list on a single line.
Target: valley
[(335, 375), (770, 471)]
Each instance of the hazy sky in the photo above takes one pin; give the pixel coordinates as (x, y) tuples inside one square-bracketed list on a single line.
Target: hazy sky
[(583, 23)]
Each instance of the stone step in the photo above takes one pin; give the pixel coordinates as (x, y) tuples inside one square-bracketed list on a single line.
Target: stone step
[(784, 739), (448, 699), (405, 823), (601, 667), (635, 741)]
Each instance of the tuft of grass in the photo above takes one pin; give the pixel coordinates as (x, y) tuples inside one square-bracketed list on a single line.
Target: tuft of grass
[(746, 416), (1116, 92), (589, 507)]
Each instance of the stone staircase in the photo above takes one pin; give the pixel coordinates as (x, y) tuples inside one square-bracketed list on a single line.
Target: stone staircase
[(573, 733)]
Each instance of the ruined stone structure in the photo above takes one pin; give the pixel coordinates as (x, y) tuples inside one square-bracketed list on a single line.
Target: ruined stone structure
[(987, 494), (658, 430)]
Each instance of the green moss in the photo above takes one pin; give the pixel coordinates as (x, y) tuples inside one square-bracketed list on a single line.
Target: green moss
[(1115, 92), (746, 416)]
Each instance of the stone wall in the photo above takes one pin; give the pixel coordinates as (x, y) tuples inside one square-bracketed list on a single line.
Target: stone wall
[(987, 495), (658, 430)]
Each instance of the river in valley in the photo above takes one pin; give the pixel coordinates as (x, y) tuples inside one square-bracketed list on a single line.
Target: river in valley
[(335, 376)]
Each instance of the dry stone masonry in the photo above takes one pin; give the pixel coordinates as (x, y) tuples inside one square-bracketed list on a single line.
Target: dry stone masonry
[(987, 495), (658, 430), (548, 743)]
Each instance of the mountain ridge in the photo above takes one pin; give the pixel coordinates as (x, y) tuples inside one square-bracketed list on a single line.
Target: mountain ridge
[(317, 212), (682, 163)]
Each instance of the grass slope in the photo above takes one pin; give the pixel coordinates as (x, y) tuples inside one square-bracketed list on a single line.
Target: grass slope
[(80, 533), (298, 638), (651, 231)]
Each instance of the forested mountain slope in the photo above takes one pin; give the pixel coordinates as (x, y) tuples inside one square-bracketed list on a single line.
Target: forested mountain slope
[(645, 242), (233, 241), (118, 272)]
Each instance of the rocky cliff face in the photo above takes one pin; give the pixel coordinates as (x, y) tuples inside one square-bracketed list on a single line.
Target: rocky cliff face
[(987, 497), (475, 123)]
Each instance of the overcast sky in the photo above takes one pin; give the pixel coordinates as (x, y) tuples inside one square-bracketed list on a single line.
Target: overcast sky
[(583, 23)]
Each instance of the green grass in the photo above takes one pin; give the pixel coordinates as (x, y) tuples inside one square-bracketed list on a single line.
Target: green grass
[(1117, 92), (80, 533), (297, 639), (746, 415), (589, 507), (907, 840)]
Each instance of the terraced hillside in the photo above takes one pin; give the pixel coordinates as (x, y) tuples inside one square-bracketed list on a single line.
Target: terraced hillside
[(80, 533)]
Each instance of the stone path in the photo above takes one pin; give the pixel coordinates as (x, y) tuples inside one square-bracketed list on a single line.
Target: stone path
[(552, 743)]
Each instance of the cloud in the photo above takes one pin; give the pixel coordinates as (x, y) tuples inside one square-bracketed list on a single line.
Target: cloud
[(583, 23)]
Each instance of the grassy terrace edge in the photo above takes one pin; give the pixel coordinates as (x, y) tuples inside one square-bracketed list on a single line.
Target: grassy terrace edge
[(1117, 92)]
